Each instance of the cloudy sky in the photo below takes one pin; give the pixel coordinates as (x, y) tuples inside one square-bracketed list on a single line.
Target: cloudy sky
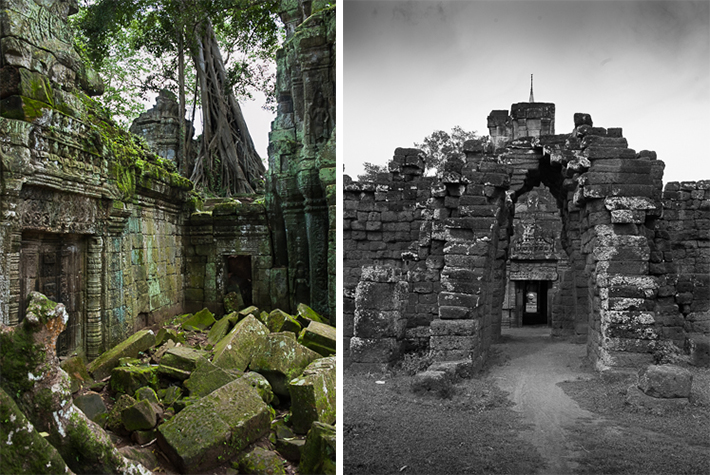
[(410, 68)]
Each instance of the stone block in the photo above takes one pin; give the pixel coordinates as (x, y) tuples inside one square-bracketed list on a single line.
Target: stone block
[(140, 416), (179, 362), (236, 350), (665, 381), (128, 379), (260, 460), (313, 395), (206, 378), (319, 337), (280, 321), (91, 404), (375, 350), (318, 454), (378, 323), (215, 428), (200, 321), (101, 367), (280, 358)]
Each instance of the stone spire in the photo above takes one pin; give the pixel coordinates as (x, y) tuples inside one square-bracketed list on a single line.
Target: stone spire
[(532, 98)]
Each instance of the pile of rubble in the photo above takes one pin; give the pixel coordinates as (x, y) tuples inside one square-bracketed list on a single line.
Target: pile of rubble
[(251, 391)]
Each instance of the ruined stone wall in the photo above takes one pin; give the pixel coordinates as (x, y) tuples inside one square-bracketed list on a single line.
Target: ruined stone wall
[(681, 259), (612, 292), (300, 182), (231, 229), (89, 217)]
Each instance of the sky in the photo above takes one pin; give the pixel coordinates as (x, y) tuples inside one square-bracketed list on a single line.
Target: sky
[(410, 68)]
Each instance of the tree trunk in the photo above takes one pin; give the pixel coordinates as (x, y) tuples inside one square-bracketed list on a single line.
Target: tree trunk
[(227, 161)]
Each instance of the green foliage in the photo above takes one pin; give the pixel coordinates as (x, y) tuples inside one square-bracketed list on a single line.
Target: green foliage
[(371, 171), (441, 145), (135, 45)]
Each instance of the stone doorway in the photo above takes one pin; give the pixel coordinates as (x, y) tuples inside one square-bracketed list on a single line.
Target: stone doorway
[(55, 265), (534, 305), (239, 277)]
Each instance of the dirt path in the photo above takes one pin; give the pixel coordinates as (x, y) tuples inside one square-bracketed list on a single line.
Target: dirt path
[(537, 363)]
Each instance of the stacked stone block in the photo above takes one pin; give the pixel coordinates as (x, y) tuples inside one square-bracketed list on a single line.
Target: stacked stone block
[(681, 260), (379, 324)]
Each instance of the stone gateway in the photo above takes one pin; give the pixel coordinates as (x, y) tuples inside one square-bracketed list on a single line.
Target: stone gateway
[(574, 230)]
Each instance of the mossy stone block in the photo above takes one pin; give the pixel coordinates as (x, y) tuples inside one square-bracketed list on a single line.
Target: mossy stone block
[(260, 461), (235, 351), (140, 341), (280, 321), (206, 378), (171, 395), (233, 302), (290, 449), (128, 379), (313, 395), (318, 455), (140, 416), (147, 394), (319, 337), (261, 384), (215, 428), (220, 329), (114, 422), (250, 310), (200, 321), (280, 358), (91, 404), (306, 315), (182, 357)]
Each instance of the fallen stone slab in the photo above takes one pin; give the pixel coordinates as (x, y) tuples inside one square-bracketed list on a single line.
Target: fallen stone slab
[(200, 321), (260, 461), (319, 337), (280, 358), (180, 362), (235, 351), (318, 454), (140, 416), (128, 379), (206, 378), (313, 395), (101, 367), (220, 329), (250, 310), (280, 321), (306, 315), (665, 381), (215, 428), (290, 449), (91, 404)]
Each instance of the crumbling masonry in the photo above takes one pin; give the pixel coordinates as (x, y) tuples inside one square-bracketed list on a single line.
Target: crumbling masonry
[(427, 259), (92, 219)]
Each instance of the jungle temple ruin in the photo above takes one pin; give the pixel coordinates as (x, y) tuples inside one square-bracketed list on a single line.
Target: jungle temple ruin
[(209, 323), (574, 231)]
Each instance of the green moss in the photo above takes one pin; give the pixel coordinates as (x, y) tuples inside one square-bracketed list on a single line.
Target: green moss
[(19, 356), (87, 452), (22, 449)]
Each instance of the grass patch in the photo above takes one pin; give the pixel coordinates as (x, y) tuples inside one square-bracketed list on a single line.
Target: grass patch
[(389, 429), (633, 441)]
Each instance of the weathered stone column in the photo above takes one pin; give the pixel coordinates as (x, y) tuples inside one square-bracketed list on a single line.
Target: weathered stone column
[(379, 326), (94, 323)]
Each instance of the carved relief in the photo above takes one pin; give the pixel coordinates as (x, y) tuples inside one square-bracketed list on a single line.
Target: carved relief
[(52, 211)]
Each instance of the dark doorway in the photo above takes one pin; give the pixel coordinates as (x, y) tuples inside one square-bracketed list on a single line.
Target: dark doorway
[(535, 302), (54, 265), (239, 277)]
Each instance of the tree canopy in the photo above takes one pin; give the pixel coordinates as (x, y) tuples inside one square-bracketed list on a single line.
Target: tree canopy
[(440, 145), (167, 31)]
